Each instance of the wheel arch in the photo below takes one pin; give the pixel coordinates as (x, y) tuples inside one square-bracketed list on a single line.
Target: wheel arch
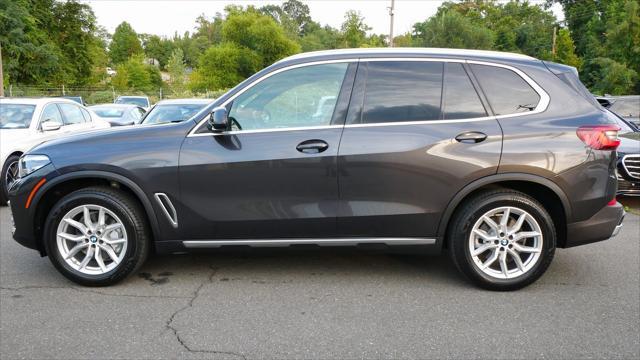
[(54, 189), (552, 197)]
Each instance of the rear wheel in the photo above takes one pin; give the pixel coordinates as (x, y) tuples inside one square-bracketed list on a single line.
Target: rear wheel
[(502, 240), (9, 175), (96, 236)]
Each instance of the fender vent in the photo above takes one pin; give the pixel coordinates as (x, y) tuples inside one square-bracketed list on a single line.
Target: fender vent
[(167, 207)]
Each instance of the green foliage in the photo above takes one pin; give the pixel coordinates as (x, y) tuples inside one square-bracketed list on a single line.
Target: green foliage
[(224, 66), (451, 29), (565, 50), (612, 77), (100, 97), (124, 44), (135, 74), (176, 70), (354, 30), (259, 33), (157, 48)]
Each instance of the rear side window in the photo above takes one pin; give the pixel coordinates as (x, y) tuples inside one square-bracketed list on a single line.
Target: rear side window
[(398, 91), (72, 114), (51, 113), (507, 92), (461, 100)]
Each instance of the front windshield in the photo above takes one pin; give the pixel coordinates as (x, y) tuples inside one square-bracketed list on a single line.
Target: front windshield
[(172, 113), (133, 101), (108, 112), (16, 116)]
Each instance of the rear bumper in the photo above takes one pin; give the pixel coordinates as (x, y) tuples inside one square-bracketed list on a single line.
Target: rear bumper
[(605, 224)]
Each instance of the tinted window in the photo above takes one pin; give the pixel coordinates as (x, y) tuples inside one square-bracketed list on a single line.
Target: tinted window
[(87, 116), (627, 107), (402, 91), (506, 91), (304, 96), (72, 114), (108, 112), (51, 113), (15, 116), (461, 100)]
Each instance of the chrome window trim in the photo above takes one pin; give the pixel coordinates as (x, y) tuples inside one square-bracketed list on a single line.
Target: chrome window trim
[(204, 244), (624, 165), (542, 105)]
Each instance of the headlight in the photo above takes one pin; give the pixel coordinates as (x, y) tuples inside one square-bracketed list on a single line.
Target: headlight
[(31, 163)]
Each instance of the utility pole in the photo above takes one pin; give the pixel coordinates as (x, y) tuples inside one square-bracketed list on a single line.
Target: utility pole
[(391, 23), (553, 45), (1, 75)]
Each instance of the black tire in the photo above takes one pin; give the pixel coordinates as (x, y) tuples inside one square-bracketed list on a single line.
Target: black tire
[(4, 189), (471, 210), (128, 211)]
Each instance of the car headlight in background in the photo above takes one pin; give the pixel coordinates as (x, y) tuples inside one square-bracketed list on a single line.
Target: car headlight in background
[(31, 163)]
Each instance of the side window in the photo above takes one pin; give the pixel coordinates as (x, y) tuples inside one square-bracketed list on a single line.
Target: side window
[(461, 100), (87, 116), (402, 91), (506, 91), (299, 97), (72, 114), (135, 114), (51, 113)]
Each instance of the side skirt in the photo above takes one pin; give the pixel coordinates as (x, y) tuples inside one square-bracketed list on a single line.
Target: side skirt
[(212, 244)]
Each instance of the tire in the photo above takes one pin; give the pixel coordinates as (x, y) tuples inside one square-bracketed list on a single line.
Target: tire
[(534, 251), (124, 232), (4, 188)]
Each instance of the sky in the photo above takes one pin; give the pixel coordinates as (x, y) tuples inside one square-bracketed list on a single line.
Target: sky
[(165, 17)]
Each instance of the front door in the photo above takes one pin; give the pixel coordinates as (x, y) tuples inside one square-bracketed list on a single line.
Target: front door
[(416, 133), (274, 175)]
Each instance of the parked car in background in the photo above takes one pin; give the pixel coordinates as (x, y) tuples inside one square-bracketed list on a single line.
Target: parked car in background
[(119, 114), (499, 158), (26, 122), (628, 171), (175, 110), (627, 107), (77, 99), (142, 101)]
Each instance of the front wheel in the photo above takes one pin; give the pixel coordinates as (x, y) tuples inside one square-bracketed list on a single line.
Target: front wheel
[(96, 236), (502, 240), (9, 176)]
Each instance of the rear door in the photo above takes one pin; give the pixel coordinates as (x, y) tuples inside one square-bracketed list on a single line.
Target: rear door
[(417, 131), (275, 174)]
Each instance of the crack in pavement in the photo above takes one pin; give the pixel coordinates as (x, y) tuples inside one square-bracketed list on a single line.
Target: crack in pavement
[(32, 287), (196, 294)]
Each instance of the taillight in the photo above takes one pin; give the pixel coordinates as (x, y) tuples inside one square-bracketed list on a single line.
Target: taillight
[(613, 202), (599, 137)]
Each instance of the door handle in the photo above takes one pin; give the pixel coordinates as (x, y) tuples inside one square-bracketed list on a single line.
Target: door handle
[(471, 137), (312, 146)]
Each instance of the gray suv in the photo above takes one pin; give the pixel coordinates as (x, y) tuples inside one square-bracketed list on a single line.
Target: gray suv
[(497, 158)]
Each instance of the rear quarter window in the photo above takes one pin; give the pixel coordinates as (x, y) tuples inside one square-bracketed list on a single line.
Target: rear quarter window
[(506, 91)]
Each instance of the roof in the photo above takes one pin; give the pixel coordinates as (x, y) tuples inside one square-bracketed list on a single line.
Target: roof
[(185, 101), (114, 106), (34, 101), (436, 52)]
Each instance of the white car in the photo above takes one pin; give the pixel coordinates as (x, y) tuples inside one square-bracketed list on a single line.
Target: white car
[(26, 122)]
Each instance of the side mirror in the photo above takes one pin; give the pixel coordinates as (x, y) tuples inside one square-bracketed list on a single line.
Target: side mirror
[(219, 120), (51, 125)]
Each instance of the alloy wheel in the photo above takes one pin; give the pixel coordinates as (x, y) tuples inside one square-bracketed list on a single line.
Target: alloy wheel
[(505, 242), (12, 174), (91, 239)]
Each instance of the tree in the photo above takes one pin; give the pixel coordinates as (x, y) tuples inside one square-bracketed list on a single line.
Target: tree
[(353, 30), (157, 48), (135, 74), (565, 50), (124, 44), (176, 70), (257, 32), (612, 77), (450, 29), (223, 66)]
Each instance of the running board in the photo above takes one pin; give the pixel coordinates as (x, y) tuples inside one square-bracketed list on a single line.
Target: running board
[(207, 244)]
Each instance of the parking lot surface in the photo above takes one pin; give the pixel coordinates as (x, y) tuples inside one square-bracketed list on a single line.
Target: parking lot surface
[(329, 303)]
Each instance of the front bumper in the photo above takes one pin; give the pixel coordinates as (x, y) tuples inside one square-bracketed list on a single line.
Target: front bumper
[(605, 224)]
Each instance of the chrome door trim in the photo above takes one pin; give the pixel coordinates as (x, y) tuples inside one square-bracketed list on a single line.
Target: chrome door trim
[(542, 105), (170, 213), (207, 244)]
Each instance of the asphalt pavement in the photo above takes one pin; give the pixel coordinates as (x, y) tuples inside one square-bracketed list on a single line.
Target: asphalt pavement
[(329, 304)]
